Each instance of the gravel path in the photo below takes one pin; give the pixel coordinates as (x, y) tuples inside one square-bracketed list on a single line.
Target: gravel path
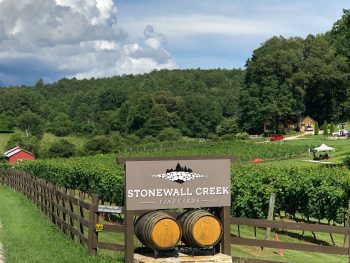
[(2, 260)]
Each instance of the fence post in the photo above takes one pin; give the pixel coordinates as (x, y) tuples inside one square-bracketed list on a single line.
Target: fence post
[(347, 224), (71, 209), (270, 214), (93, 220), (349, 244), (64, 215), (129, 236), (226, 230), (80, 216)]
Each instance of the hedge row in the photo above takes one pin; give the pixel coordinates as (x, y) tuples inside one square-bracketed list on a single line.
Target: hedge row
[(86, 176), (315, 192)]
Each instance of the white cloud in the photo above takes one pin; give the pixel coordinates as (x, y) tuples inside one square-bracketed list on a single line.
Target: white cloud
[(77, 38)]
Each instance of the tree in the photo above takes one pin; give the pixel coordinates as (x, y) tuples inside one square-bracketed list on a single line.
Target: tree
[(61, 148), (227, 126), (139, 113), (62, 125), (117, 141), (331, 128), (325, 128), (157, 121), (6, 123), (340, 34), (31, 143), (31, 123), (15, 139), (98, 144), (112, 98), (316, 131), (200, 115), (325, 78), (170, 134), (271, 92)]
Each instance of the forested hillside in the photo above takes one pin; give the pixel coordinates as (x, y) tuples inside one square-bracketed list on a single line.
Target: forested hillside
[(192, 101), (285, 78)]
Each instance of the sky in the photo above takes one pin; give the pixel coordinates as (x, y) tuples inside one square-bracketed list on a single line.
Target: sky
[(53, 39)]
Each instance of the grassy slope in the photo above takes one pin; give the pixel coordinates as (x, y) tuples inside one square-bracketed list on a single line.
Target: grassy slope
[(288, 255), (48, 139), (29, 237), (3, 141)]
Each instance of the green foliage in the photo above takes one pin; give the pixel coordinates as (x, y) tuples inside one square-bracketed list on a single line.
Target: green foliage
[(169, 134), (6, 123), (243, 150), (132, 139), (340, 34), (227, 126), (61, 148), (149, 139), (271, 92), (331, 128), (242, 136), (325, 128), (288, 78), (117, 141), (31, 123), (316, 192), (200, 115), (98, 144), (15, 139), (31, 143), (141, 104), (317, 129), (86, 174), (62, 125)]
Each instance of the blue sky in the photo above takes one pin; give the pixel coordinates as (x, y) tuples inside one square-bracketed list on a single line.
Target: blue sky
[(51, 39)]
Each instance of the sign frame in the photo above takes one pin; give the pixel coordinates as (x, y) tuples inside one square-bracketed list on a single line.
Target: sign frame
[(222, 212)]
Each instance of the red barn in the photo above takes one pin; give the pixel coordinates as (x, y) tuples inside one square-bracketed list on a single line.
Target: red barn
[(17, 154)]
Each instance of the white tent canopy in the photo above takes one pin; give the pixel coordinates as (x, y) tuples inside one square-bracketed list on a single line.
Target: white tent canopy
[(323, 148)]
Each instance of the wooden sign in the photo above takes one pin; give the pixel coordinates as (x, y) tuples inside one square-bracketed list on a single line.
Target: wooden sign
[(110, 209), (177, 183)]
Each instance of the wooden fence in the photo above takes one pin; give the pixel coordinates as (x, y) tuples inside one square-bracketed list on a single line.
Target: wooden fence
[(73, 216), (78, 218)]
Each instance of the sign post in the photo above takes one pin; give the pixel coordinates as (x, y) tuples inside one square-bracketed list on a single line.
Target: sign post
[(179, 182)]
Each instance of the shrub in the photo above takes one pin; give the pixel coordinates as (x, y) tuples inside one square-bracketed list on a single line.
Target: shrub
[(317, 129), (149, 139), (61, 148), (169, 134), (117, 141), (98, 144), (325, 128), (242, 136), (331, 128)]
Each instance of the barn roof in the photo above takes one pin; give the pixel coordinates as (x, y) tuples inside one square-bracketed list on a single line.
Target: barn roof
[(14, 151)]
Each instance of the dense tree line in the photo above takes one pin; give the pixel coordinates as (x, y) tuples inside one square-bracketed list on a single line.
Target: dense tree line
[(193, 102), (285, 79)]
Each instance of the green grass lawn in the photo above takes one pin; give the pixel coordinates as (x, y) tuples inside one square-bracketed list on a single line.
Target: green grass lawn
[(342, 146), (4, 137), (28, 236), (293, 236)]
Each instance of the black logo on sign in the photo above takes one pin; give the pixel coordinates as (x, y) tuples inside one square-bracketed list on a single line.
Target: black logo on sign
[(179, 174)]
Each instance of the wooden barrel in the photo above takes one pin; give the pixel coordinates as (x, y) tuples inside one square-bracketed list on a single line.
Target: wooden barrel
[(200, 228), (158, 230)]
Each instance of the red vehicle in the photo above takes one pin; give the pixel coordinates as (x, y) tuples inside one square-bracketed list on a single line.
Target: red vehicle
[(277, 138)]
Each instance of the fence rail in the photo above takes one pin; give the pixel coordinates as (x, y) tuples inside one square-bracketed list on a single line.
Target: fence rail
[(78, 218), (73, 216)]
